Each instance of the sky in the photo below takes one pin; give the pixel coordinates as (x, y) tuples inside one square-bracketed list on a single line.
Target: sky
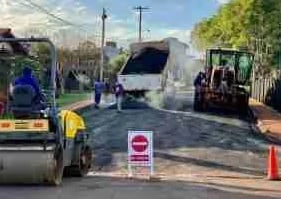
[(165, 18)]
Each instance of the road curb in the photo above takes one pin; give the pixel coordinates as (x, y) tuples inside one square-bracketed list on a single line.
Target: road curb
[(82, 106), (78, 106), (258, 127)]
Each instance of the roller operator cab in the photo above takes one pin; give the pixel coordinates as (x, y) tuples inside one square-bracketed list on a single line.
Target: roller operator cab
[(38, 143), (226, 80)]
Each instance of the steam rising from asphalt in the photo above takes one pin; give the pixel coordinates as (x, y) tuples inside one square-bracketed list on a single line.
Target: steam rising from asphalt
[(186, 73), (155, 99)]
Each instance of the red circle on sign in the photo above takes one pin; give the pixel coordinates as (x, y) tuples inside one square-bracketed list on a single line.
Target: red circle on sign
[(139, 143)]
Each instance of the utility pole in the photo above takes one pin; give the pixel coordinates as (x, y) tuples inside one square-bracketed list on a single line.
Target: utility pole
[(140, 10), (279, 61), (103, 17)]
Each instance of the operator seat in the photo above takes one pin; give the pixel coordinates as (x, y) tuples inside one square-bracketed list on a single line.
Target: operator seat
[(24, 101)]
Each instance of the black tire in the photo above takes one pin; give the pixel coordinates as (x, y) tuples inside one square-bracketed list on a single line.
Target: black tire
[(243, 105), (84, 165), (197, 103), (56, 178), (243, 110)]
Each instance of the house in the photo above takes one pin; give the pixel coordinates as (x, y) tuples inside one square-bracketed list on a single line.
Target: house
[(79, 75), (12, 47)]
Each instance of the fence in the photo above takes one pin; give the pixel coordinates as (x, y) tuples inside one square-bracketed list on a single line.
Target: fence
[(267, 89)]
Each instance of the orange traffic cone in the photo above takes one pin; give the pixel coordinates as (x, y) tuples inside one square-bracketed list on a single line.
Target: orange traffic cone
[(272, 169)]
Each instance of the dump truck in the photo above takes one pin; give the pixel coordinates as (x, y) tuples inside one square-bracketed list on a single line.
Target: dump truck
[(38, 142), (152, 66), (225, 80)]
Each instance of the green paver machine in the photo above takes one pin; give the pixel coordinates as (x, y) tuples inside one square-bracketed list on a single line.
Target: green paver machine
[(38, 145)]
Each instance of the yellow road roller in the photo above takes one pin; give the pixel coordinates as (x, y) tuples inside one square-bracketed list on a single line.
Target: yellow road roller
[(38, 142)]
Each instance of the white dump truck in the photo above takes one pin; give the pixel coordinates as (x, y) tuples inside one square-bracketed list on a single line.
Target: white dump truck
[(152, 66)]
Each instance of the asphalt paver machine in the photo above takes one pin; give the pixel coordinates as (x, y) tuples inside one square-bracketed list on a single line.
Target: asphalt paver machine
[(225, 80), (39, 145)]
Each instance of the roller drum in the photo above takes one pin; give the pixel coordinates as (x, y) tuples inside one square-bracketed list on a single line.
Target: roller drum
[(30, 165)]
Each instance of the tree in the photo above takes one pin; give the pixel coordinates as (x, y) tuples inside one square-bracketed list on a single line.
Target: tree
[(253, 24), (42, 53), (12, 67), (117, 63), (228, 28), (86, 51)]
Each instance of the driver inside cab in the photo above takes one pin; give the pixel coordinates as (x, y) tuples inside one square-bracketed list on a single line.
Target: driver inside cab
[(27, 78), (224, 78)]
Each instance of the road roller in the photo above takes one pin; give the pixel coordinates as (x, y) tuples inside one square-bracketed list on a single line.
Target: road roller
[(39, 142)]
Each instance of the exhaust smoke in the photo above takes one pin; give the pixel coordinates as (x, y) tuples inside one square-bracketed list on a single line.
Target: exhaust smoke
[(177, 94)]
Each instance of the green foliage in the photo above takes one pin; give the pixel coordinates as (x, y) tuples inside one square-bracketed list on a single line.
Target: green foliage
[(21, 62), (42, 53), (13, 67), (7, 116), (117, 63), (4, 74), (254, 24), (227, 28)]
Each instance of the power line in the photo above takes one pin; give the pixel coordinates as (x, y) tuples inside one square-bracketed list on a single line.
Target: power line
[(49, 13), (31, 4)]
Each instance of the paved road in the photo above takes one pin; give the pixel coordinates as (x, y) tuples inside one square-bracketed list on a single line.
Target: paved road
[(197, 155), (118, 188), (182, 138)]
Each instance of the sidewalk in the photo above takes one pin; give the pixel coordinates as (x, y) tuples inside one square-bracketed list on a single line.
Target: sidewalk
[(268, 121)]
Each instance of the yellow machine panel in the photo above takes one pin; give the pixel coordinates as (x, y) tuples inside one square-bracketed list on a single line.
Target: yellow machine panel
[(24, 126), (72, 122)]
